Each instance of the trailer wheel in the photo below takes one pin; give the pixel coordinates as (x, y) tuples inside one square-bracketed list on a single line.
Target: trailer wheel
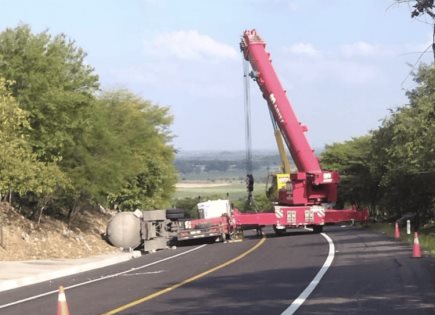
[(174, 214), (278, 232), (174, 210), (317, 228)]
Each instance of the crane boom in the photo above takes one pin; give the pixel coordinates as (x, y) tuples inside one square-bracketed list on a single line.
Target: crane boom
[(254, 51), (310, 185)]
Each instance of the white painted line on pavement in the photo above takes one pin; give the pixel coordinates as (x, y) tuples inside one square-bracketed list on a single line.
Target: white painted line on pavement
[(100, 279), (309, 289), (42, 276), (143, 273)]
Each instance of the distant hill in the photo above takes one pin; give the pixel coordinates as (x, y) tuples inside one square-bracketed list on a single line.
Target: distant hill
[(225, 165), (229, 154), (221, 154)]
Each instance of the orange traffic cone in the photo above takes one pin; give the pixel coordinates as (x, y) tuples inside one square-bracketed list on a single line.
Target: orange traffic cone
[(416, 251), (62, 306), (397, 232)]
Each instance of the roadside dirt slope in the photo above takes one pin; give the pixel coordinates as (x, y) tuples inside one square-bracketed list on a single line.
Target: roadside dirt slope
[(24, 240)]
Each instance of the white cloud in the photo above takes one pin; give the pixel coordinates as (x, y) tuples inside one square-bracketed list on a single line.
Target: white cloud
[(305, 49), (343, 72), (364, 49), (189, 45), (354, 64)]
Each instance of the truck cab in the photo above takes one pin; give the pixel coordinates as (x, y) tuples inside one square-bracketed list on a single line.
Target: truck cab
[(213, 222)]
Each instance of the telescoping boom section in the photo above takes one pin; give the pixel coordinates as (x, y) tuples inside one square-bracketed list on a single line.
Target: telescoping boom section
[(311, 193)]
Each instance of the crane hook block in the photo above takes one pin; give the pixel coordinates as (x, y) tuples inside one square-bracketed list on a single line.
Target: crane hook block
[(250, 182)]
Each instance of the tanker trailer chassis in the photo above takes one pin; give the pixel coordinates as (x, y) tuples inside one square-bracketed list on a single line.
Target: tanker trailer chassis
[(148, 229)]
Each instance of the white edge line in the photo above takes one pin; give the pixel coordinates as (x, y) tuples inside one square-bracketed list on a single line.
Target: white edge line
[(100, 279), (309, 289), (7, 285)]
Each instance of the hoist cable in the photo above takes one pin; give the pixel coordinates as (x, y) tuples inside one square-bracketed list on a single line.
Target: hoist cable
[(250, 204)]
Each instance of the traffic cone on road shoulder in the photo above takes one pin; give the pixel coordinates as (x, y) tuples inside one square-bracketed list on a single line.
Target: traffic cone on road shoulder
[(62, 306), (416, 251), (397, 231)]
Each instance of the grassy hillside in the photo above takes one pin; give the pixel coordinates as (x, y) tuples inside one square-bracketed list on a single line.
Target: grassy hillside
[(211, 175), (208, 189)]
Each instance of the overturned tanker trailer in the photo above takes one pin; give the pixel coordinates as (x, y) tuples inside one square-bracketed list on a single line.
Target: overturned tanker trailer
[(150, 229)]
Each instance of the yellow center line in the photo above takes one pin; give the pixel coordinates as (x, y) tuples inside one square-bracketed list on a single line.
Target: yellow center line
[(191, 279)]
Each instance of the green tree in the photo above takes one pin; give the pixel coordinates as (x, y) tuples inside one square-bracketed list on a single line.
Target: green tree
[(138, 142), (52, 83), (20, 170), (189, 204), (261, 204), (423, 8), (393, 168), (420, 7), (113, 148), (55, 87), (360, 175), (408, 141)]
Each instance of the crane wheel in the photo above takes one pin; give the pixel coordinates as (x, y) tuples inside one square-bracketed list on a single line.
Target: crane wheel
[(278, 232), (317, 229)]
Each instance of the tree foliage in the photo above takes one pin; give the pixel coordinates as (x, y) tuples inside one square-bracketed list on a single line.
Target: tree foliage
[(423, 8), (410, 149), (127, 151), (52, 83), (359, 175), (393, 168), (64, 145), (189, 204), (20, 170)]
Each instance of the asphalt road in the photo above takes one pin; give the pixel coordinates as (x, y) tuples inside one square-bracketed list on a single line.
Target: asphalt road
[(370, 274)]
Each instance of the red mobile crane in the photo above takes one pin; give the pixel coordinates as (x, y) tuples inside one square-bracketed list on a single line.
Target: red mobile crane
[(307, 200), (311, 193)]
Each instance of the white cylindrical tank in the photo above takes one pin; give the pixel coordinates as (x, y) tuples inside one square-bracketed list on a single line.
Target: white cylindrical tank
[(123, 230)]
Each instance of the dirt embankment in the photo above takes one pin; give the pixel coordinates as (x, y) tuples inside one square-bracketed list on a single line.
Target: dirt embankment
[(22, 239)]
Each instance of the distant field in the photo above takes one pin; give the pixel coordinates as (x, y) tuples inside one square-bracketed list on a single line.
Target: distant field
[(233, 175), (200, 185), (228, 176), (231, 190)]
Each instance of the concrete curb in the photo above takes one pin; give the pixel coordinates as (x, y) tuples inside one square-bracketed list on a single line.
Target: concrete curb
[(68, 268)]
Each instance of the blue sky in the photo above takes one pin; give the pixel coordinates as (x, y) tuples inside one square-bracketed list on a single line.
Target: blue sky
[(342, 62)]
